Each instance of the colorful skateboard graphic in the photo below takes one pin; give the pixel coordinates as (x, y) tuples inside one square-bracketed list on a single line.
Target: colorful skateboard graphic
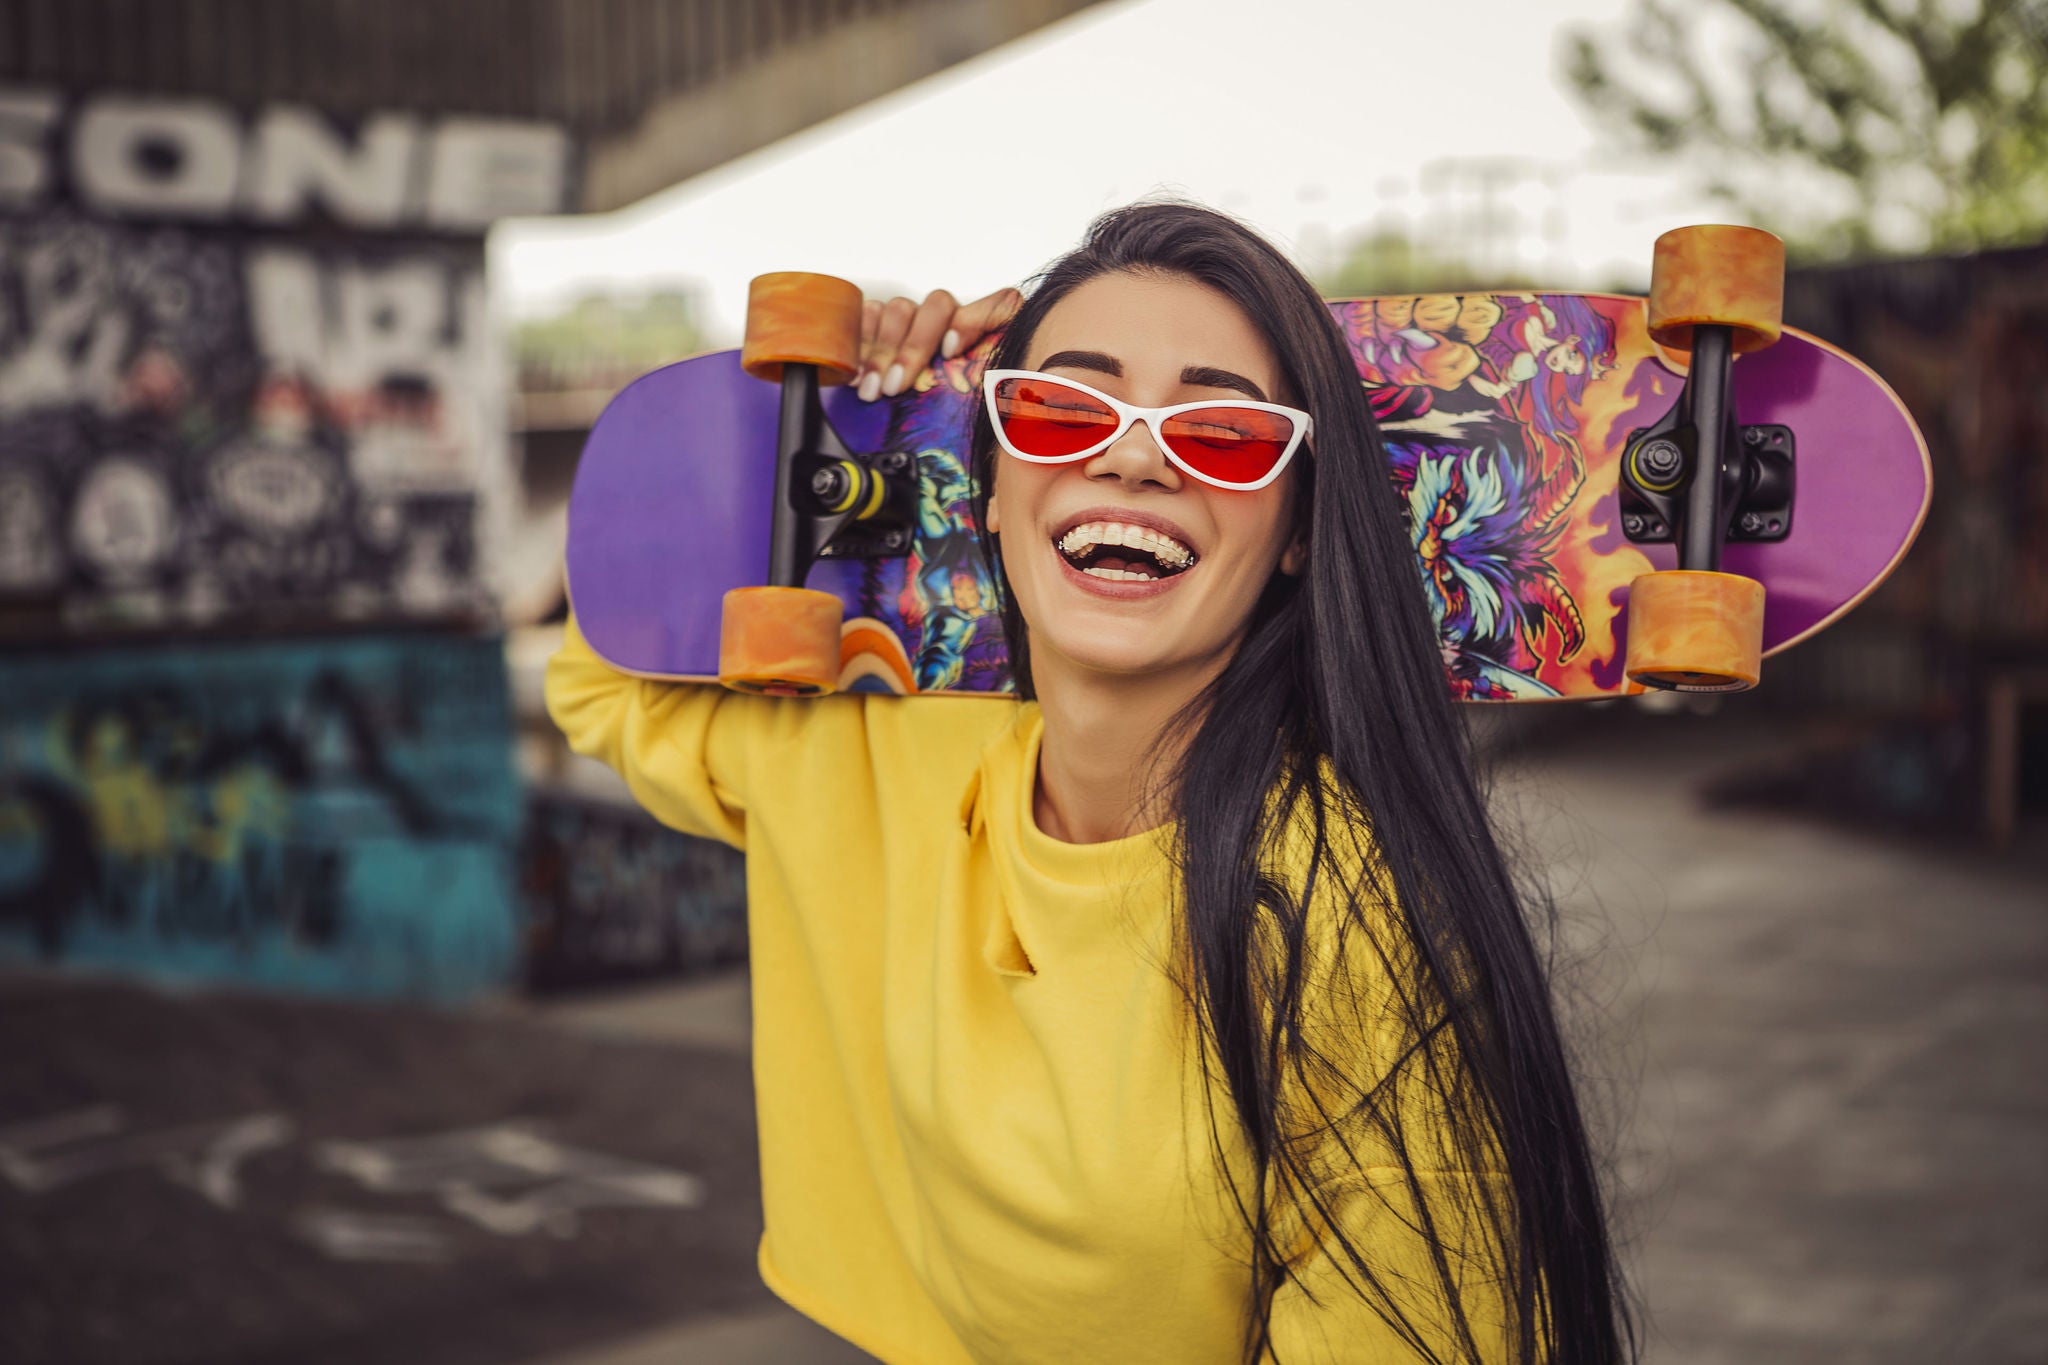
[(1506, 416)]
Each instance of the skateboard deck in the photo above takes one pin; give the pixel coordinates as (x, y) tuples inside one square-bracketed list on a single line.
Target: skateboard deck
[(1505, 417)]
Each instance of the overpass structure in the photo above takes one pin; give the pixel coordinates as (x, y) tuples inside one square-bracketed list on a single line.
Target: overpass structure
[(246, 374)]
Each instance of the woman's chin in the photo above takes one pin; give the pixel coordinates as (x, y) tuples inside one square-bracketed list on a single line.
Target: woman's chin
[(1130, 654)]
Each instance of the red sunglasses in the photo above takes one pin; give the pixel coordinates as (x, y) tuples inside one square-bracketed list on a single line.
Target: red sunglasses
[(1049, 420)]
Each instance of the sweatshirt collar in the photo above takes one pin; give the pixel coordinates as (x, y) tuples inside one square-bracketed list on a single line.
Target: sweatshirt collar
[(1001, 791), (1057, 897)]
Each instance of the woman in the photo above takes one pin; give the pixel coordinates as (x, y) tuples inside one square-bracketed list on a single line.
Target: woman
[(1184, 1012)]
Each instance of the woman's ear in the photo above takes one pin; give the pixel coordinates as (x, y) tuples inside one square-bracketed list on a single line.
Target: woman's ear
[(1292, 559), (993, 527)]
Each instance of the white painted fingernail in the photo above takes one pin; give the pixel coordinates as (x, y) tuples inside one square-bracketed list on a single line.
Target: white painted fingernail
[(871, 387), (893, 385), (950, 346)]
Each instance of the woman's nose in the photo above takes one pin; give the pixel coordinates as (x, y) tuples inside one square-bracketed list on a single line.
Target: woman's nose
[(1135, 458)]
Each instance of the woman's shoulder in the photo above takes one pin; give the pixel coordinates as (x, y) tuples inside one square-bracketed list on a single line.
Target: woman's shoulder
[(949, 730), (881, 739)]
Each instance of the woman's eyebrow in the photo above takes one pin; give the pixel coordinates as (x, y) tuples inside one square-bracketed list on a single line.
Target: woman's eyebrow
[(1083, 360), (1201, 376), (1209, 377)]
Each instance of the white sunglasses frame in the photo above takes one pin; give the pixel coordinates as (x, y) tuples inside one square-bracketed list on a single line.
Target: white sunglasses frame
[(1128, 414)]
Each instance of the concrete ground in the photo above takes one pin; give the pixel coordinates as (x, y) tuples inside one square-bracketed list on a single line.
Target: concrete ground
[(1823, 1051), (229, 1179), (1818, 1054)]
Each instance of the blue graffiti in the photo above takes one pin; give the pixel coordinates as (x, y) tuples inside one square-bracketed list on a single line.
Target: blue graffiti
[(333, 816)]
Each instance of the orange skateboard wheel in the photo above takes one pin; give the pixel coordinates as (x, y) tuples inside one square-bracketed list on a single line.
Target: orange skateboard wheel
[(1692, 631), (779, 642), (1717, 274), (796, 318)]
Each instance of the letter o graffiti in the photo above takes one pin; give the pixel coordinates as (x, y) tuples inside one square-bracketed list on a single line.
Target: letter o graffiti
[(178, 158)]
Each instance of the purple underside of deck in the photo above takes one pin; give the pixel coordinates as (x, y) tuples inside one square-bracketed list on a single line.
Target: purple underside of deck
[(658, 532), (671, 509), (1861, 485)]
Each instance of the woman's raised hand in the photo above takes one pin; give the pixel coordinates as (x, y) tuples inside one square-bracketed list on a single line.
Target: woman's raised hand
[(899, 338)]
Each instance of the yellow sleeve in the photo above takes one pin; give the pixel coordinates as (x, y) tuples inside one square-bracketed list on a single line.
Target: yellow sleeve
[(1319, 1319), (682, 747)]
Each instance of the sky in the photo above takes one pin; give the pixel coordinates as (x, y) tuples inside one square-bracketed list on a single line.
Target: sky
[(1315, 120)]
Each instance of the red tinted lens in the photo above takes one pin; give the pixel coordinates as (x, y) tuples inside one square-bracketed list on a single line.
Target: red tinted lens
[(1051, 420), (1230, 444)]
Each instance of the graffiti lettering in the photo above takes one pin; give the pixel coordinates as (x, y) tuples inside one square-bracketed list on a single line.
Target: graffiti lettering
[(176, 158), (613, 894), (123, 524), (202, 418), (25, 120), (300, 160), (29, 554), (191, 429), (137, 156), (385, 347)]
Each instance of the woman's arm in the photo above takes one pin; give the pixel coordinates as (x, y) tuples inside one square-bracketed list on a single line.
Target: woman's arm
[(682, 747)]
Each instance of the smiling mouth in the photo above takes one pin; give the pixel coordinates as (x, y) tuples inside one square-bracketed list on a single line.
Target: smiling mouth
[(1119, 551)]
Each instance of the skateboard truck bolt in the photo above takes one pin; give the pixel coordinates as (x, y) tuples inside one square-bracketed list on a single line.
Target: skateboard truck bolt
[(1661, 462)]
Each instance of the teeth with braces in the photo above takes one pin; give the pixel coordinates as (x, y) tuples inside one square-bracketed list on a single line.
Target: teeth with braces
[(1163, 548)]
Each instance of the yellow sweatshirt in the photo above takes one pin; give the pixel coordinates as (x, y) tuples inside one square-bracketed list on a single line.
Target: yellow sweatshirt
[(981, 1134)]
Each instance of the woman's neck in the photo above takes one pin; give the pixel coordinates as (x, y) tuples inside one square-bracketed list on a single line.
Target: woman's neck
[(1093, 760)]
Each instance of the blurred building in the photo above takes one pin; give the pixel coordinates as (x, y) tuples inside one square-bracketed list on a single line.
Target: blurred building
[(257, 483), (1930, 700)]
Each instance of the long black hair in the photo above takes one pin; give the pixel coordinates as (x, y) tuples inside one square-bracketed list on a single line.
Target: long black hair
[(1388, 1007)]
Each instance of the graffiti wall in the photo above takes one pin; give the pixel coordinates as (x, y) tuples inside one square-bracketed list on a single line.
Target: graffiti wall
[(246, 371), (331, 815), (613, 894)]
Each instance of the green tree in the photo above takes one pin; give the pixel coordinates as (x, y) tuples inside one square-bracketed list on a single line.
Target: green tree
[(1850, 127), (1389, 261), (603, 340)]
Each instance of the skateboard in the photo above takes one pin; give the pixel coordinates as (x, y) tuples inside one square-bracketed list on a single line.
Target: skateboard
[(1547, 448)]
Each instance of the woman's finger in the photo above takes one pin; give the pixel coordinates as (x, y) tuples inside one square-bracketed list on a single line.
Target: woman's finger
[(879, 353), (870, 322), (870, 319), (899, 338), (921, 342), (976, 320)]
